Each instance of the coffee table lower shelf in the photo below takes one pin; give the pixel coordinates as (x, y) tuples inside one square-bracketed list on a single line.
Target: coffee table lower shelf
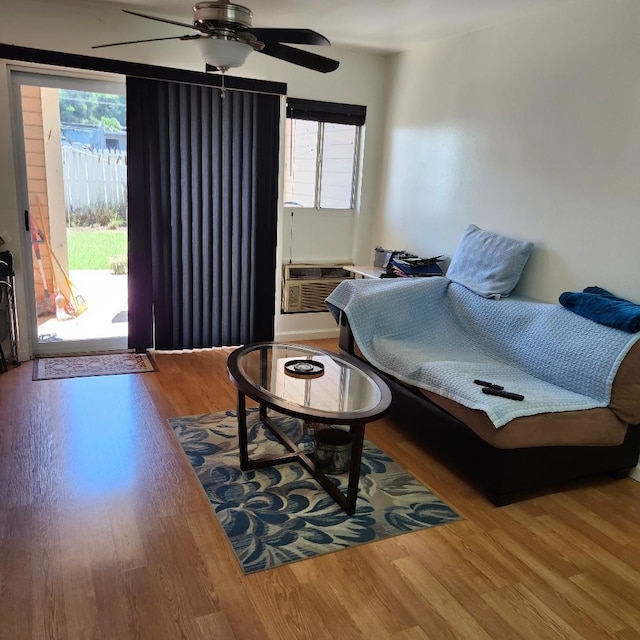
[(346, 502)]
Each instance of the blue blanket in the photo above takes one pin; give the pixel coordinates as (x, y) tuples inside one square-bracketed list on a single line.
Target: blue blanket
[(437, 335), (601, 306)]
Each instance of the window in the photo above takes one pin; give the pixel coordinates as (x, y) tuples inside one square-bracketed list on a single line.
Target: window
[(321, 156)]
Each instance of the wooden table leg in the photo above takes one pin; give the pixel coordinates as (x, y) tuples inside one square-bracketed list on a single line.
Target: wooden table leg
[(348, 501), (357, 430), (242, 431)]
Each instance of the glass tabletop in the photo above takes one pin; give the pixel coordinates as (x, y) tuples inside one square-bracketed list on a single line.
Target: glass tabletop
[(315, 381)]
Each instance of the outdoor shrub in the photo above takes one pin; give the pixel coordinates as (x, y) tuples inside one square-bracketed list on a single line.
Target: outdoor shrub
[(118, 266), (111, 217)]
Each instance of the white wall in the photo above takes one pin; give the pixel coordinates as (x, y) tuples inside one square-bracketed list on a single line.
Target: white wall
[(74, 28), (10, 217), (531, 129)]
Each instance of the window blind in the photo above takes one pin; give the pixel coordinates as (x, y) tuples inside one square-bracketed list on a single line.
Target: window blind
[(326, 111)]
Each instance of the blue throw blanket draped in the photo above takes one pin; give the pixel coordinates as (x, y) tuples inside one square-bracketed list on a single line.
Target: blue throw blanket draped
[(601, 306), (438, 335)]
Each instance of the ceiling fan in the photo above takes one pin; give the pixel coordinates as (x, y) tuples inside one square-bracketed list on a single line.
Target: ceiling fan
[(225, 38)]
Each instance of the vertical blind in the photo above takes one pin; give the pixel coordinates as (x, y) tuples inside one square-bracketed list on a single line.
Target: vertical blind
[(203, 187)]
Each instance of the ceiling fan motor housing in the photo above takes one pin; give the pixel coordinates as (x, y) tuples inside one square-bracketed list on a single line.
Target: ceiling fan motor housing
[(216, 14)]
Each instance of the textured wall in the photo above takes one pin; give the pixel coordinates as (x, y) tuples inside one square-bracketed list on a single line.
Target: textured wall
[(531, 129)]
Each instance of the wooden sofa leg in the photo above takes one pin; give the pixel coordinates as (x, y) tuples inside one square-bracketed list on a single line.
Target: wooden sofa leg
[(619, 474), (500, 499)]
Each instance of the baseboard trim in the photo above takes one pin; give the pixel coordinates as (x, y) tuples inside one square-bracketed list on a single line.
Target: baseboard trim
[(635, 473), (313, 334)]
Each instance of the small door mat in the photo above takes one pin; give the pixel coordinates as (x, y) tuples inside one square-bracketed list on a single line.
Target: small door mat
[(105, 364)]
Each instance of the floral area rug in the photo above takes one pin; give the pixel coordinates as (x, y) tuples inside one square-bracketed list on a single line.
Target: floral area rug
[(106, 364), (279, 514)]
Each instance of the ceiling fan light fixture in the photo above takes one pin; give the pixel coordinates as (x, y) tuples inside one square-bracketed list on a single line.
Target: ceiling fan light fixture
[(226, 38), (223, 53)]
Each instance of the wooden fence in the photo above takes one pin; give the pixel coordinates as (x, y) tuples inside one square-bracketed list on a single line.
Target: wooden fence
[(94, 179)]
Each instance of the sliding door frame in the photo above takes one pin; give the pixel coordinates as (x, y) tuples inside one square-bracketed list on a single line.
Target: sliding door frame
[(60, 79), (69, 65)]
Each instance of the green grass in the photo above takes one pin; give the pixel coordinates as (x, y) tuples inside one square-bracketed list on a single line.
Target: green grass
[(92, 248)]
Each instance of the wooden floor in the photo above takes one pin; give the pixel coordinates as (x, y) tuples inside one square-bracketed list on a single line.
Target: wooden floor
[(105, 533)]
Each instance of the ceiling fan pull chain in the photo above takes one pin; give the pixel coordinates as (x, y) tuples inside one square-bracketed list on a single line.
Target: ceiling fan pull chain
[(223, 89)]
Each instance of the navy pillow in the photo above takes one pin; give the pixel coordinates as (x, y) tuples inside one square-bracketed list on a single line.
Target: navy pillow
[(601, 306)]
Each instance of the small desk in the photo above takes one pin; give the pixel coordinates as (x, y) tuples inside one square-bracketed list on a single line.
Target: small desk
[(366, 271)]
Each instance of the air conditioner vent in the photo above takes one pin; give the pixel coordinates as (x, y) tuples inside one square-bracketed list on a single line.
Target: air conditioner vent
[(315, 272), (305, 286)]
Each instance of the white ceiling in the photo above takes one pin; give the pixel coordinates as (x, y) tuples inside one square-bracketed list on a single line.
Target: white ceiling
[(379, 25)]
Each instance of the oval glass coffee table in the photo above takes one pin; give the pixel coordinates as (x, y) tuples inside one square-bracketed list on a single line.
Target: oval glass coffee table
[(313, 385)]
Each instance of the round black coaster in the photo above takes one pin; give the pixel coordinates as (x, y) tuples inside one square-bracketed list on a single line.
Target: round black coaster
[(304, 368)]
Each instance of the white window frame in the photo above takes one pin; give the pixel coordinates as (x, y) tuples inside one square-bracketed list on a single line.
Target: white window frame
[(357, 158)]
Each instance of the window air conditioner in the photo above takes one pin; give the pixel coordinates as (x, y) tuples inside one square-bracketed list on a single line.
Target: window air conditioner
[(305, 286)]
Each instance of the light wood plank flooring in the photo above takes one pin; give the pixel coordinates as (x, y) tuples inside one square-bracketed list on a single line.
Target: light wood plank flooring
[(105, 533)]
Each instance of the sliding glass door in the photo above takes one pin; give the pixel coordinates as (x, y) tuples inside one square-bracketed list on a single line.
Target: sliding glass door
[(71, 137)]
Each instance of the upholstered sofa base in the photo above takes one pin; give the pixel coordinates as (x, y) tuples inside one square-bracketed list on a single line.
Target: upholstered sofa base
[(505, 474)]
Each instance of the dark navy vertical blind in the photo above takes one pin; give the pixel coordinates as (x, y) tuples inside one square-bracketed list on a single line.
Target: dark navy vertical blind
[(203, 188)]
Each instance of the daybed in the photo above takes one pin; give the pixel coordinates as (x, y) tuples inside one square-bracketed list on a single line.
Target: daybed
[(432, 337)]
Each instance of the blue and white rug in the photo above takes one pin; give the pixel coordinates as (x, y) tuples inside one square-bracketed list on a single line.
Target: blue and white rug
[(279, 514)]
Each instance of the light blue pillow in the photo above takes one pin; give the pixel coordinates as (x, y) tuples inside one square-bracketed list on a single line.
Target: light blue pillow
[(487, 263)]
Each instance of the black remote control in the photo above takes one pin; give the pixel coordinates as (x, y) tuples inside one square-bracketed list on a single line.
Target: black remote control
[(490, 385), (502, 393)]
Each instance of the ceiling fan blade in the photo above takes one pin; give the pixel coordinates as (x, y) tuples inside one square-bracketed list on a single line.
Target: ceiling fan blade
[(178, 24), (117, 44), (293, 36), (302, 58)]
